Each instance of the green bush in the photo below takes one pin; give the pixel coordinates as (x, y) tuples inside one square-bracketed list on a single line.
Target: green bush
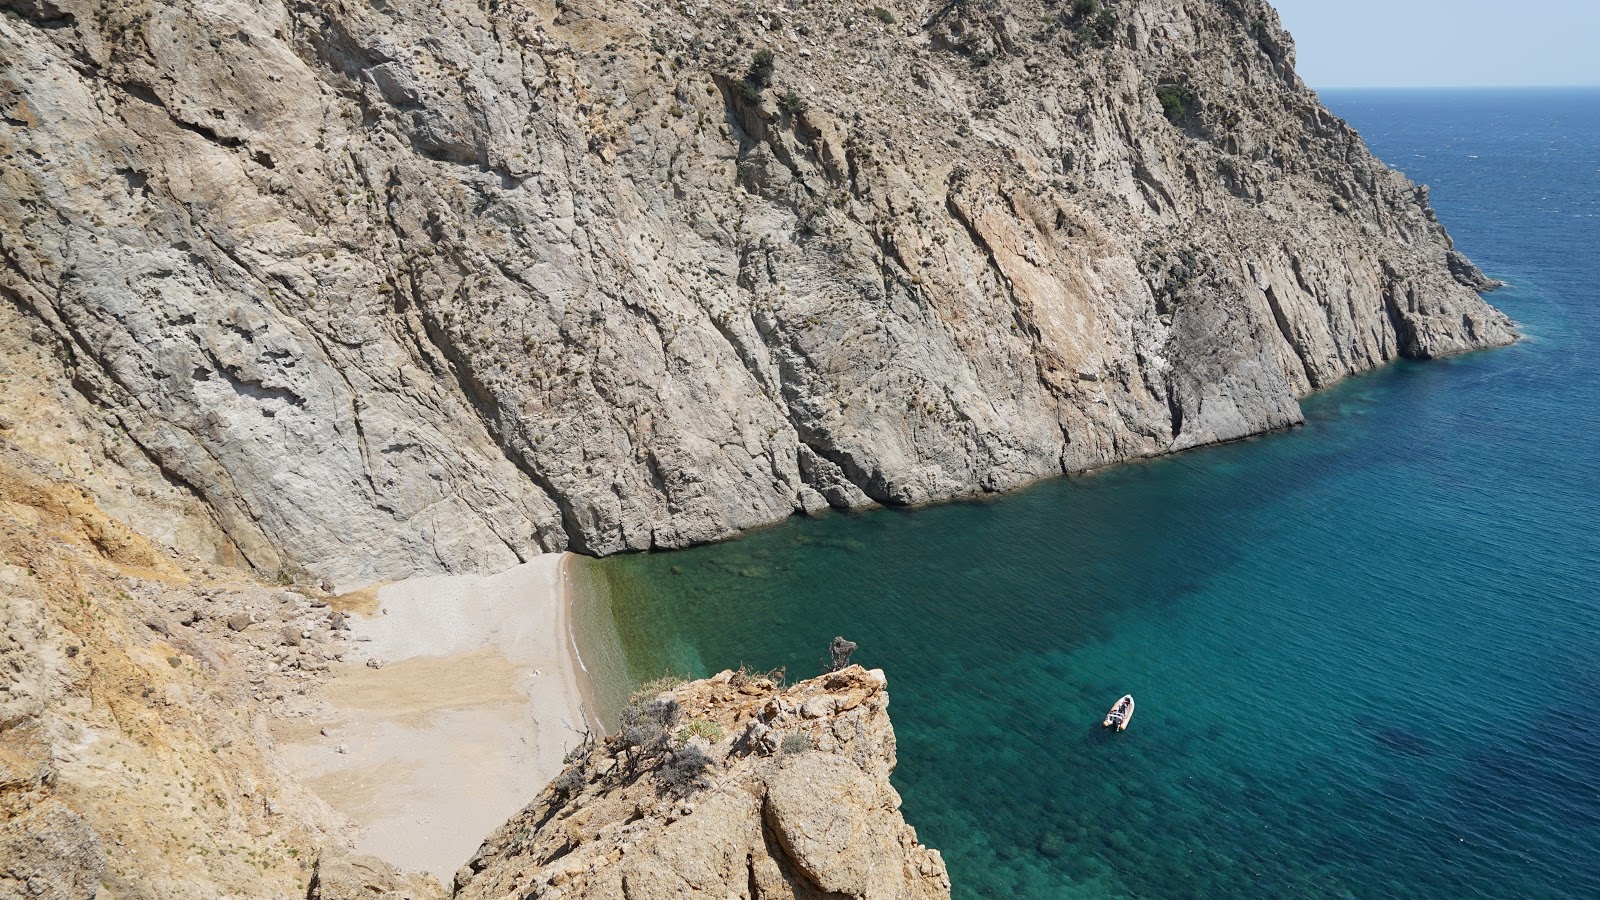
[(883, 15), (760, 73), (745, 92), (795, 743), (1171, 97), (792, 103), (1178, 102), (1105, 25)]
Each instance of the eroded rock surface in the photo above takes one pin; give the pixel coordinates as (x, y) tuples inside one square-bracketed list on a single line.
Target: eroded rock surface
[(379, 288), (812, 816), (134, 755)]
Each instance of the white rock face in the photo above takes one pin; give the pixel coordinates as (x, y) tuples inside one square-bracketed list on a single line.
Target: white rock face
[(419, 286)]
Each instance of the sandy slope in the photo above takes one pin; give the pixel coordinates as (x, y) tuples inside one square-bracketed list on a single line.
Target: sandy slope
[(467, 719)]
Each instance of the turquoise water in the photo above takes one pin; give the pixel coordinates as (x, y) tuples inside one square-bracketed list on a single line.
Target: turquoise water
[(1364, 651)]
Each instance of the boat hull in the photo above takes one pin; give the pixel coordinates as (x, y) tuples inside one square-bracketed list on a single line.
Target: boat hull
[(1120, 713)]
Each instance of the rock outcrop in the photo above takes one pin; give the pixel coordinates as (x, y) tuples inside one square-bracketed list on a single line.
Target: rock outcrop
[(134, 755), (378, 288), (807, 814)]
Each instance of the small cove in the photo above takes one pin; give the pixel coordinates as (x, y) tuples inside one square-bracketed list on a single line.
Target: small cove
[(1363, 650)]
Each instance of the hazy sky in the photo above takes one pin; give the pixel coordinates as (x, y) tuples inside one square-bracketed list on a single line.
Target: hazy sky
[(1434, 43)]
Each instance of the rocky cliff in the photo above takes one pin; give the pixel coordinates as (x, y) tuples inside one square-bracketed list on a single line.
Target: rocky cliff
[(134, 691), (367, 288), (728, 787)]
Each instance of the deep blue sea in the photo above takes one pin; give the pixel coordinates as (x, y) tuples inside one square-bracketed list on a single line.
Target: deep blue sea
[(1366, 652)]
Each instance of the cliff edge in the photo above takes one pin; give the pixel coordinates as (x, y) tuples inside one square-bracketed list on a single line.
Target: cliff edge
[(369, 289), (727, 787)]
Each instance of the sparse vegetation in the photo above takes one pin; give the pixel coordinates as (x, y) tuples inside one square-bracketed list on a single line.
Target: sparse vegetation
[(761, 67), (1178, 102), (568, 782), (746, 676), (1095, 24), (684, 772), (644, 729), (745, 92), (795, 743), (883, 15), (839, 651), (1104, 25), (703, 728), (646, 734), (792, 103), (654, 687)]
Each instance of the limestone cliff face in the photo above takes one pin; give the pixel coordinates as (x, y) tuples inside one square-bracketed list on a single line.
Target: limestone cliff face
[(795, 804), (389, 286)]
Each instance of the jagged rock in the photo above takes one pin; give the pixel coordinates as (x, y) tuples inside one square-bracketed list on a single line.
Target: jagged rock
[(758, 737), (815, 804), (820, 824), (350, 877), (49, 853), (421, 286), (816, 707), (240, 621), (839, 651)]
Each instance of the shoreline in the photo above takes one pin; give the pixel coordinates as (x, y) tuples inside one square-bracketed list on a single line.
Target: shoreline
[(453, 710), (578, 671)]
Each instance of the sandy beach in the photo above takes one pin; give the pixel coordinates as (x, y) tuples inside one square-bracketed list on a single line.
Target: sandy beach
[(476, 701)]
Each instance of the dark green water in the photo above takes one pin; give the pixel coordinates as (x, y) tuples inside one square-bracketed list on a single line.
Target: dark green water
[(1364, 651)]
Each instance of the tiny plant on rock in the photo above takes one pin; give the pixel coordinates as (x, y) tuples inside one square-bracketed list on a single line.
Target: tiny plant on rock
[(702, 728)]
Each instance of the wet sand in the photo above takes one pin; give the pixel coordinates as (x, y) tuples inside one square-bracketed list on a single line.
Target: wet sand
[(477, 700)]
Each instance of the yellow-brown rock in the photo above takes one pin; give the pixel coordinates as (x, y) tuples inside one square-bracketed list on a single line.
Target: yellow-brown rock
[(815, 819)]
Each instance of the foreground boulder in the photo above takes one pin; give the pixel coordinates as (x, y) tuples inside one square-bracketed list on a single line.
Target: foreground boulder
[(793, 801)]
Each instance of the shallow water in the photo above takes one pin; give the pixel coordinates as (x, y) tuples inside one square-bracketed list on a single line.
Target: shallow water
[(1364, 650)]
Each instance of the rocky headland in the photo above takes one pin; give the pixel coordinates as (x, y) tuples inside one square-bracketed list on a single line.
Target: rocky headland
[(733, 786)]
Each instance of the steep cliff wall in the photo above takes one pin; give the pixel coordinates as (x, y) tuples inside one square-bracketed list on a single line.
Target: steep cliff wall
[(429, 284)]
